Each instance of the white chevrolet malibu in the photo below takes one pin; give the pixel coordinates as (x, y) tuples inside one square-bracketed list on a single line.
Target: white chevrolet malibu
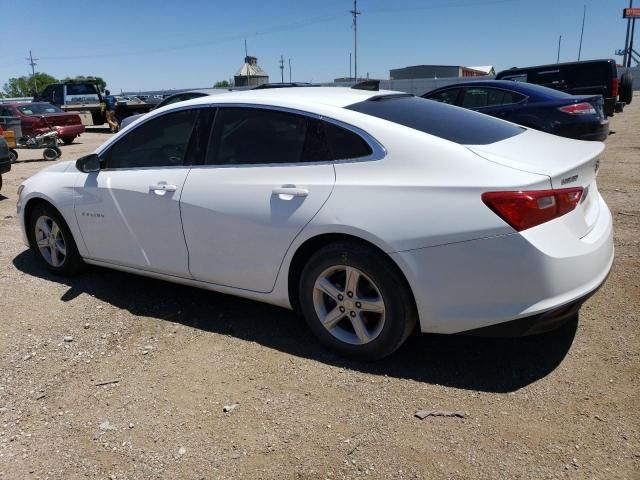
[(372, 213)]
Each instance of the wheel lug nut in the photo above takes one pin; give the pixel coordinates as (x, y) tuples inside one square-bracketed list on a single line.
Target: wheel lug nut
[(340, 297), (349, 294), (342, 309), (353, 314), (358, 305)]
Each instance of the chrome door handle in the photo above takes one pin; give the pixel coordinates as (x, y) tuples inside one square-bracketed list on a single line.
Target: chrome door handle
[(292, 191), (161, 188)]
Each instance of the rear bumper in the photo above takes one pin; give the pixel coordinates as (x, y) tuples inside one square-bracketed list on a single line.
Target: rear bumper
[(535, 324), (534, 275), (590, 130)]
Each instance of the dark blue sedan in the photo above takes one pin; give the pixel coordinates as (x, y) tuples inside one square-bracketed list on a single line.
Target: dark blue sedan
[(575, 116)]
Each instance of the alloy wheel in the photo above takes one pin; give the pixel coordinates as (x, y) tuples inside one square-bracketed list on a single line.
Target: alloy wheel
[(349, 304), (50, 241)]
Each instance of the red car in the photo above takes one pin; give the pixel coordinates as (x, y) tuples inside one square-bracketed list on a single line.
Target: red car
[(36, 117)]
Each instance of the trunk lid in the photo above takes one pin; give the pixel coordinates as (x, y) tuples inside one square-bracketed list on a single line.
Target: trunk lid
[(62, 119), (568, 163)]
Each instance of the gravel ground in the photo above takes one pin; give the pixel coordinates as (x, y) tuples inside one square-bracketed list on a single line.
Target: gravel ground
[(561, 405)]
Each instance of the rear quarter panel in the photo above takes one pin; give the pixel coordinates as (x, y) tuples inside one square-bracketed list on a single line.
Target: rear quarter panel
[(425, 192)]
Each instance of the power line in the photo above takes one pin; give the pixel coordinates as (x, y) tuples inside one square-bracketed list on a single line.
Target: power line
[(268, 31)]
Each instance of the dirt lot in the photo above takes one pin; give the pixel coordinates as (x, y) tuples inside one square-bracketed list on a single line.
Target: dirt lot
[(562, 405)]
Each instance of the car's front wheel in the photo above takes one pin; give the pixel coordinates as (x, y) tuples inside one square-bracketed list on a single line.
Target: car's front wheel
[(52, 241), (356, 301)]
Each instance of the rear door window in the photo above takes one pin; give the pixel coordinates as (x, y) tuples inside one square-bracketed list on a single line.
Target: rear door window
[(246, 136), (488, 97), (445, 121), (447, 96)]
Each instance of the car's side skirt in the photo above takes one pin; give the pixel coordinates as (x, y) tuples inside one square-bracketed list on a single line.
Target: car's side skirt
[(270, 298)]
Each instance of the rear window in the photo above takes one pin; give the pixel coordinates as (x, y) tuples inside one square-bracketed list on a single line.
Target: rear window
[(445, 121), (39, 108)]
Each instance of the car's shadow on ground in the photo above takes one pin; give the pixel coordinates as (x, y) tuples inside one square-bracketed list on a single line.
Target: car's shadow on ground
[(492, 365)]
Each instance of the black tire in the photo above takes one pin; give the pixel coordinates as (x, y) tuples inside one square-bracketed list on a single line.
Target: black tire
[(626, 88), (13, 155), (0, 182), (72, 262), (400, 316), (50, 154), (67, 140)]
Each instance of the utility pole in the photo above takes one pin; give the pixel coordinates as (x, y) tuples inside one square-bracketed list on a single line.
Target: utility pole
[(281, 69), (584, 14), (32, 62), (626, 40), (559, 42), (350, 77), (289, 70), (355, 14)]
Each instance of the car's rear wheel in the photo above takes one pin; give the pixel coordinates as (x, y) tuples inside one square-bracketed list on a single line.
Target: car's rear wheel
[(52, 241), (13, 155), (67, 140), (356, 301), (626, 88)]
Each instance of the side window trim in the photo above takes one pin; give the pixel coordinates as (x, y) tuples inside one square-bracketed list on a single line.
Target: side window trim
[(104, 153), (377, 149)]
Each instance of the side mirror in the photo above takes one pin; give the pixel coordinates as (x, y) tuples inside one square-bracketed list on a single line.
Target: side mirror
[(89, 163)]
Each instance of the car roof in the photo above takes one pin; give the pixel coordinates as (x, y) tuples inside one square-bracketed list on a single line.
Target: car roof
[(531, 90), (329, 96), (557, 65)]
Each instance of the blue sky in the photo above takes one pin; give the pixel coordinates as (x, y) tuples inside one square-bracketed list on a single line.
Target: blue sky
[(147, 44)]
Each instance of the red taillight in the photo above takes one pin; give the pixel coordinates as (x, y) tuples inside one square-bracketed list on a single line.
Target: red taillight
[(614, 87), (524, 210), (583, 108)]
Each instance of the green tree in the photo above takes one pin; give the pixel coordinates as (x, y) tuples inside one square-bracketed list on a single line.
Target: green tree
[(222, 84), (24, 86), (102, 84)]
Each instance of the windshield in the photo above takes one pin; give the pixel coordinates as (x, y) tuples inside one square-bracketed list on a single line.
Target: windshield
[(441, 120), (39, 108)]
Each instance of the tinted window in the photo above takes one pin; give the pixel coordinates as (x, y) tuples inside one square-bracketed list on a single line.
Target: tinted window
[(80, 89), (259, 136), (344, 144), (445, 121), (161, 142), (447, 96), (487, 97)]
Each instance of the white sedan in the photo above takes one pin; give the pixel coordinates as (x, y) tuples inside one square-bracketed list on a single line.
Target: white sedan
[(372, 213)]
